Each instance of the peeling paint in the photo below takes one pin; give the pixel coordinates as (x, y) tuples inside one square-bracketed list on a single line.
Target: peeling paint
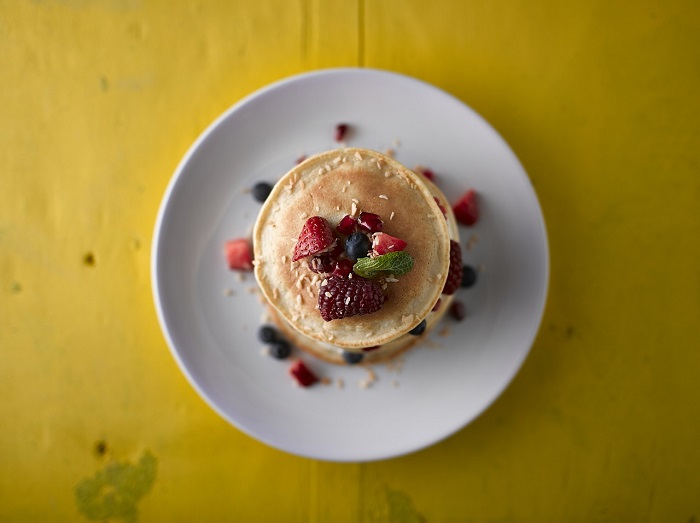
[(401, 509), (114, 491)]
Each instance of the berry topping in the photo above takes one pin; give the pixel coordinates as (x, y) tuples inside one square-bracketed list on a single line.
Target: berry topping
[(383, 243), (370, 222), (302, 374), (267, 334), (396, 263), (436, 307), (373, 347), (341, 297), (261, 191), (322, 263), (418, 329), (430, 175), (340, 131), (468, 276), (347, 225), (301, 159), (352, 358), (239, 254), (467, 209), (457, 310), (315, 237), (343, 268), (442, 207), (454, 274), (280, 349), (357, 245)]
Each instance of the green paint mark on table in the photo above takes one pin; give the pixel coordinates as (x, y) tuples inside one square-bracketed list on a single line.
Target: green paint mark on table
[(114, 491)]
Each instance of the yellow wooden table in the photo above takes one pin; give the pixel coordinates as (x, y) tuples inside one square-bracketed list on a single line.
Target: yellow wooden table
[(99, 100)]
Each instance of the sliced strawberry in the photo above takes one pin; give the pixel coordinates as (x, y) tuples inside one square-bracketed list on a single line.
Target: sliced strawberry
[(383, 243), (302, 374), (316, 236), (467, 209), (239, 254)]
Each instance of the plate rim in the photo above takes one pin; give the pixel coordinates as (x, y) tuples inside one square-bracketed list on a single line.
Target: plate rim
[(155, 260)]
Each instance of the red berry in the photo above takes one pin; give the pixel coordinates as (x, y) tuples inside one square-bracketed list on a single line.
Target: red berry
[(336, 251), (436, 307), (428, 174), (321, 264), (454, 274), (301, 159), (302, 374), (457, 310), (239, 254), (340, 132), (467, 208), (440, 205), (343, 267), (341, 297), (316, 236), (373, 347), (370, 222), (347, 225), (383, 243)]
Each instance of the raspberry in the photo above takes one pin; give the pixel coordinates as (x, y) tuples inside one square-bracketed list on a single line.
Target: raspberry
[(467, 209), (342, 297), (316, 236), (454, 274)]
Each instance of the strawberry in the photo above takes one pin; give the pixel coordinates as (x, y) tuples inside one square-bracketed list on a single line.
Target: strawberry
[(302, 374), (239, 255), (467, 209), (383, 243), (316, 236)]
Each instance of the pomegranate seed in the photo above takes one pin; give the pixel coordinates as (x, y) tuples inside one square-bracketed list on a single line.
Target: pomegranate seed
[(301, 159), (340, 131), (347, 225), (343, 267), (370, 222), (373, 347), (302, 374), (437, 305), (457, 310)]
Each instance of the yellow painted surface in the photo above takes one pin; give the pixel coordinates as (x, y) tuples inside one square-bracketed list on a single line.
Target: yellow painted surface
[(100, 99)]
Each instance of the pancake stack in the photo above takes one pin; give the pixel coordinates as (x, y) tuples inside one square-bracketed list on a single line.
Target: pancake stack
[(348, 182)]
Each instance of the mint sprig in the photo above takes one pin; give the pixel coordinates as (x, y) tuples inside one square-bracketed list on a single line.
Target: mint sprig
[(397, 263)]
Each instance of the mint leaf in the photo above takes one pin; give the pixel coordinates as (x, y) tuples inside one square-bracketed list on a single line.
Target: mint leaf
[(397, 263)]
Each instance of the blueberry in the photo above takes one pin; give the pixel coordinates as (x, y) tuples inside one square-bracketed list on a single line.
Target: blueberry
[(261, 191), (280, 349), (418, 329), (352, 357), (357, 245), (267, 334), (468, 276)]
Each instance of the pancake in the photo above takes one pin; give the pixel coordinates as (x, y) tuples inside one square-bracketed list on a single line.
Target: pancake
[(331, 185)]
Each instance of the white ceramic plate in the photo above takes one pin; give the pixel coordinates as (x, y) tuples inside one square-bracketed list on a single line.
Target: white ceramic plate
[(440, 386)]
